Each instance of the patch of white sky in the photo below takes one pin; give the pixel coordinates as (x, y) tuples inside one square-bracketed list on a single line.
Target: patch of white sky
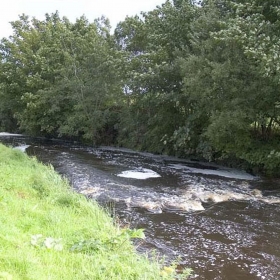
[(115, 10)]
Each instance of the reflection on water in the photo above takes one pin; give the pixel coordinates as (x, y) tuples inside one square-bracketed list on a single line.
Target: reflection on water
[(223, 223)]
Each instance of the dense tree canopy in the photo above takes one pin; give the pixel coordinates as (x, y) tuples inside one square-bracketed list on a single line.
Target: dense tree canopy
[(191, 78), (59, 78)]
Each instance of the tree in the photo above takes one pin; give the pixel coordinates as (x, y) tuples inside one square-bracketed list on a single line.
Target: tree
[(227, 80), (255, 25), (153, 45), (61, 78)]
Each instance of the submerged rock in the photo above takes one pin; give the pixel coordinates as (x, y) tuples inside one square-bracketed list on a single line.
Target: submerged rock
[(166, 205), (216, 196), (188, 206), (151, 206)]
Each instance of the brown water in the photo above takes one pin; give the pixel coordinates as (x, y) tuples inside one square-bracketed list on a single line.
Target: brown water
[(223, 223)]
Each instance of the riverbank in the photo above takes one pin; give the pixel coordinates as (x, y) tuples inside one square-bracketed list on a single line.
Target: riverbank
[(50, 232)]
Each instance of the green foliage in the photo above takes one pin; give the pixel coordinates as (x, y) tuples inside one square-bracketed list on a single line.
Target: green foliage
[(114, 243), (233, 98), (153, 46), (57, 75), (255, 25)]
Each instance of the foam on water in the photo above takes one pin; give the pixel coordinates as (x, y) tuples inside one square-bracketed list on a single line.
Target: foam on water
[(22, 147), (227, 173), (9, 134), (140, 174)]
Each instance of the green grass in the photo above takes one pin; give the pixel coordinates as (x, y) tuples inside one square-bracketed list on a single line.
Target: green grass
[(49, 232)]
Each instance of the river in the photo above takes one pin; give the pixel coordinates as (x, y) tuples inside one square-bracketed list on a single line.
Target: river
[(221, 222)]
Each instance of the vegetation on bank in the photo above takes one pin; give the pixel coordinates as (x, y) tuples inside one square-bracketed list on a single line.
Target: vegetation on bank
[(189, 78), (50, 232)]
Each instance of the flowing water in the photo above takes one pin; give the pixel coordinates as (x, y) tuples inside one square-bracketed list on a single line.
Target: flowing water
[(223, 223)]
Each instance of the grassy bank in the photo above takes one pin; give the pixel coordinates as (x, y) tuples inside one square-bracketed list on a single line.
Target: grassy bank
[(50, 232)]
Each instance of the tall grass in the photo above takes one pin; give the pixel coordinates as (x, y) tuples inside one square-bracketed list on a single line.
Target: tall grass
[(49, 232)]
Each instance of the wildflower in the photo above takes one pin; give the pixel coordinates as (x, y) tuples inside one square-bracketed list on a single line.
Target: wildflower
[(51, 243), (168, 269), (163, 273), (48, 243), (35, 239)]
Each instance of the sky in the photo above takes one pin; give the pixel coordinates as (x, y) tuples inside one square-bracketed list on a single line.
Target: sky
[(115, 10)]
